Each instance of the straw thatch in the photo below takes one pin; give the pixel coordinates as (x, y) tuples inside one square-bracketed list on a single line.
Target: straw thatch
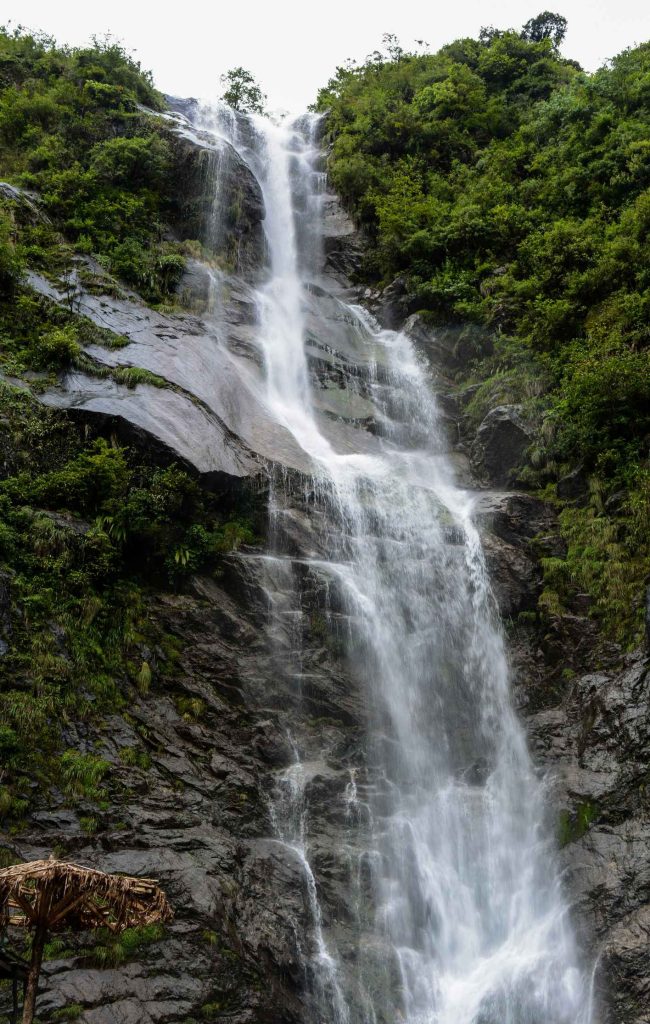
[(50, 895), (58, 895)]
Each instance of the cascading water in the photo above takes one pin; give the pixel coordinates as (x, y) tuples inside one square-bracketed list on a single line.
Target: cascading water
[(467, 923)]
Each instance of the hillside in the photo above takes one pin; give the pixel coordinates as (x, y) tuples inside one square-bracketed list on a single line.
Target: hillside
[(506, 193)]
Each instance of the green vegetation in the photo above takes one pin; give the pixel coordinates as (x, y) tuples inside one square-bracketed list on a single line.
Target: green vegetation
[(82, 774), (37, 334), (86, 528), (574, 826), (211, 1011), (509, 191), (114, 950), (242, 92), (134, 758), (70, 1012), (72, 130), (191, 709), (607, 557)]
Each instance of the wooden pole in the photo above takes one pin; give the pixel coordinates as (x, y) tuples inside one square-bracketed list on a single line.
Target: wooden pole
[(14, 999), (29, 1006)]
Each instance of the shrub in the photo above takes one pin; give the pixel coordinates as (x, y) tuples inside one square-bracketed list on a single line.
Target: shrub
[(57, 348), (82, 774), (12, 263)]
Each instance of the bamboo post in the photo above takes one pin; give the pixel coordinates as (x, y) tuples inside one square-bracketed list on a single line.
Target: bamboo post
[(14, 1000), (29, 1006)]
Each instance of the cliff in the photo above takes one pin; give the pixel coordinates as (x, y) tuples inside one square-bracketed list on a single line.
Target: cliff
[(148, 690)]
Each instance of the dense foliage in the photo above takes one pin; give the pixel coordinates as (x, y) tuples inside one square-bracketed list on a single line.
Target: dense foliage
[(86, 529), (509, 190), (73, 129), (90, 530)]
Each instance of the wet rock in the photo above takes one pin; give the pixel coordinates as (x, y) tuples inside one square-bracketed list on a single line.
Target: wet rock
[(516, 529), (67, 522), (218, 200), (209, 415), (514, 576), (187, 106), (499, 446), (341, 243), (195, 286), (520, 519), (26, 204), (596, 743), (436, 345), (574, 486), (395, 304)]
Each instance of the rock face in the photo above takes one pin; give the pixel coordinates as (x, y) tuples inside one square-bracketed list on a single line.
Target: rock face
[(596, 743), (208, 411), (516, 529), (587, 708), (340, 240), (201, 761), (197, 814), (204, 169), (500, 443)]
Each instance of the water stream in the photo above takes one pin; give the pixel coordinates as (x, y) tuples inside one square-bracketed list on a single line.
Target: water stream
[(466, 893)]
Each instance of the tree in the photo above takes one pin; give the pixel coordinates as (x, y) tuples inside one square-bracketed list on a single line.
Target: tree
[(488, 33), (545, 26), (242, 92), (392, 46)]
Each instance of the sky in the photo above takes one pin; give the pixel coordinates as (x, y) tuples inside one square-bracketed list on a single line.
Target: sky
[(293, 47)]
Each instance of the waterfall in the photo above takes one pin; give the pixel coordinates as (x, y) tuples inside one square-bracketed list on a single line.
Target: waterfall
[(466, 922)]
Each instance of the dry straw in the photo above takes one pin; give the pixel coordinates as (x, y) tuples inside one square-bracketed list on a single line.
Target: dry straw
[(51, 895)]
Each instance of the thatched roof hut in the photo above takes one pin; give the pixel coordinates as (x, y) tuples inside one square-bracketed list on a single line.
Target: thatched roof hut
[(70, 896), (50, 895)]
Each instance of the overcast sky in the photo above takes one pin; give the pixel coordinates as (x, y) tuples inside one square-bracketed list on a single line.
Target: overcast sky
[(293, 46)]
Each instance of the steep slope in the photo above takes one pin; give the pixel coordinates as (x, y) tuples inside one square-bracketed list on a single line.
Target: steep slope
[(181, 700)]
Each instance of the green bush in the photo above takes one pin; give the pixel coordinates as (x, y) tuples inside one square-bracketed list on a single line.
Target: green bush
[(87, 527), (12, 263), (83, 773), (57, 348), (114, 950), (71, 129), (606, 401)]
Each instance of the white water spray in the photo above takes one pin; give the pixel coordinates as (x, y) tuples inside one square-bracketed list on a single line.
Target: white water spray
[(466, 889)]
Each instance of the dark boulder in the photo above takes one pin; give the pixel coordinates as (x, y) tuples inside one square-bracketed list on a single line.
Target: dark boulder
[(574, 486), (395, 304), (499, 446)]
